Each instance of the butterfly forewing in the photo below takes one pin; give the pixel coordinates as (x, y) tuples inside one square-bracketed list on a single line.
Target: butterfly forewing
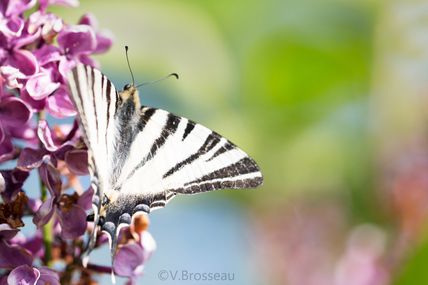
[(95, 99), (142, 156), (182, 156)]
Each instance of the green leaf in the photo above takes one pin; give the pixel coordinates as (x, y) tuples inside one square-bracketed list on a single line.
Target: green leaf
[(415, 271)]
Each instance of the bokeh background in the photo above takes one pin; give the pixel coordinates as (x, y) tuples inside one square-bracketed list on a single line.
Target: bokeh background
[(329, 97)]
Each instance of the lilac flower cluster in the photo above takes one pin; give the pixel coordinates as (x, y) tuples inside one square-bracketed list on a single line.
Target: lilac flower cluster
[(37, 50)]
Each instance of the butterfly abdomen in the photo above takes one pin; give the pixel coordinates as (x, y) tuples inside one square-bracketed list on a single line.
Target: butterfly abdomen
[(127, 118)]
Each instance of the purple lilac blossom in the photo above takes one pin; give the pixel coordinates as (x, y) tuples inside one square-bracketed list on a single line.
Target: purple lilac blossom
[(33, 244), (11, 182), (130, 257), (12, 255), (25, 274), (70, 213), (37, 50), (14, 123)]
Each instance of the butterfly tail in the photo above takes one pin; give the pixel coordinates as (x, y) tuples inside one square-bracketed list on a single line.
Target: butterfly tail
[(92, 240), (113, 247), (113, 242)]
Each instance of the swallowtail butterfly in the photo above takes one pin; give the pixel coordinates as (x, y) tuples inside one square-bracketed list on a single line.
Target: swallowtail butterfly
[(141, 157)]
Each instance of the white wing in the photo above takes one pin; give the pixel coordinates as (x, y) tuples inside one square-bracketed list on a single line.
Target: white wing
[(174, 154), (95, 98)]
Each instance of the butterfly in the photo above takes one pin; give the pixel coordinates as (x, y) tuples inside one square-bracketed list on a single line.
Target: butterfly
[(141, 157)]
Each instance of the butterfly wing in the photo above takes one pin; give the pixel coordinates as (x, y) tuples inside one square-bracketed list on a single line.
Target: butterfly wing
[(142, 157), (173, 155), (95, 98)]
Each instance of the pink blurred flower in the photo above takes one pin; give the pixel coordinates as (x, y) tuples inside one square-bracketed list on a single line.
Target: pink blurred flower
[(362, 262), (312, 244)]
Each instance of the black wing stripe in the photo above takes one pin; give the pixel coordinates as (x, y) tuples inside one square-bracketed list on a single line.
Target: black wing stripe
[(212, 140), (189, 127), (243, 166), (91, 78), (79, 103), (228, 146), (169, 129), (216, 185), (108, 92), (157, 204), (108, 99), (146, 115)]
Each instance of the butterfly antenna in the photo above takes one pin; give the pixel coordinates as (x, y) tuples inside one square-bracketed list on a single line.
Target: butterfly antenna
[(159, 80), (129, 66)]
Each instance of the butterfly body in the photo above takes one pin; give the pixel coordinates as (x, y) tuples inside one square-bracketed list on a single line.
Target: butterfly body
[(141, 157)]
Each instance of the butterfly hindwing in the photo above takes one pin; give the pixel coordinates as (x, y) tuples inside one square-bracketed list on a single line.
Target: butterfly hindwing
[(142, 157)]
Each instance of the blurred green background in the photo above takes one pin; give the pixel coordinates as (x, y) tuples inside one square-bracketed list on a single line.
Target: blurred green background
[(329, 97)]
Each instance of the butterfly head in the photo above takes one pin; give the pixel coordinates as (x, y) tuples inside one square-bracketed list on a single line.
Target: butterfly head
[(130, 91), (128, 86)]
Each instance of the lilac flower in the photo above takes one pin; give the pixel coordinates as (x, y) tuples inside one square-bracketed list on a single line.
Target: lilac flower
[(74, 158), (14, 118), (78, 41), (60, 105), (15, 7), (48, 87), (40, 85), (11, 76), (58, 140), (14, 36), (41, 75), (104, 40), (33, 244), (130, 258), (55, 145), (11, 182), (11, 255), (70, 209), (72, 216), (37, 50), (25, 274), (12, 54), (68, 3), (49, 24)]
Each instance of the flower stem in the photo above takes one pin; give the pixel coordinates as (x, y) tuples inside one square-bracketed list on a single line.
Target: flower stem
[(47, 229)]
